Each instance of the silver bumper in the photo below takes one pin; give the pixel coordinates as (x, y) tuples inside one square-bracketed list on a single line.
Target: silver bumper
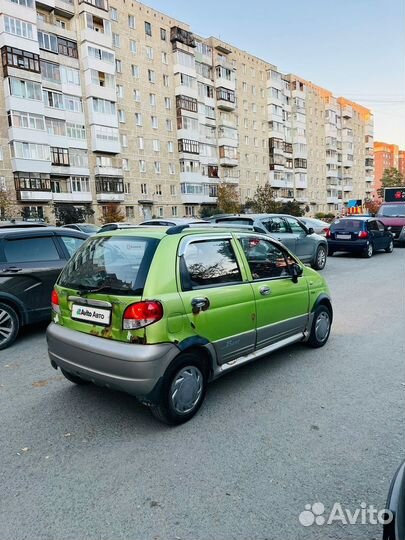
[(132, 368)]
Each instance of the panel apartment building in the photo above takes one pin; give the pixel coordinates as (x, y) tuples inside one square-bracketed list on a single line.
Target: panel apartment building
[(116, 103)]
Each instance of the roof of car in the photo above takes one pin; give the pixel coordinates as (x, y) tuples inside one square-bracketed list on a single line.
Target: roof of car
[(22, 224), (252, 216), (356, 218), (38, 231), (176, 221), (161, 232)]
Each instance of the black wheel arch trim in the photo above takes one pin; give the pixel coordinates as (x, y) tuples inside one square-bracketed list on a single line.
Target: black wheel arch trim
[(16, 304), (323, 299)]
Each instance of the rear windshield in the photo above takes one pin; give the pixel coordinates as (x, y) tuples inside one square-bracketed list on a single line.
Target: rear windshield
[(115, 265), (392, 210), (236, 221), (347, 225)]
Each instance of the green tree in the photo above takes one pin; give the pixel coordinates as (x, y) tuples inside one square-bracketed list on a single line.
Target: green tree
[(208, 211), (293, 208), (228, 199), (67, 213), (391, 178), (263, 201)]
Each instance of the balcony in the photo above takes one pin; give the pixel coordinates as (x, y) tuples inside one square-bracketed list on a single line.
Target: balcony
[(198, 193), (228, 156), (101, 170), (347, 163), (348, 188), (180, 35), (347, 112), (281, 183), (370, 179), (109, 189), (226, 99), (333, 200), (333, 173)]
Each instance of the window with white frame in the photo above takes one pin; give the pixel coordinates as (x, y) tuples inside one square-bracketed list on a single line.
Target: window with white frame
[(138, 119), (137, 95), (131, 22), (168, 103), (158, 168), (149, 52), (135, 71), (120, 91), (158, 189), (152, 100), (156, 145), (26, 120), (116, 40), (113, 14), (154, 122), (133, 46), (151, 76), (142, 166), (141, 143), (18, 27)]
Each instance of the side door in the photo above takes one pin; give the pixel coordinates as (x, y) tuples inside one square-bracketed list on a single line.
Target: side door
[(278, 229), (304, 243), (217, 297), (376, 235), (281, 305), (32, 265), (386, 235)]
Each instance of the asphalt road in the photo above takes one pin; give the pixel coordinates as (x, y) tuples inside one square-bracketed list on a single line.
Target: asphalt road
[(301, 427)]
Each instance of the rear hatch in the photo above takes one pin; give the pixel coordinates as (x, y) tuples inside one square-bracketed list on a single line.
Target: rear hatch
[(346, 229), (102, 279)]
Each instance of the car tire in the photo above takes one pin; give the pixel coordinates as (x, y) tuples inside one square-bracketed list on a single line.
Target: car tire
[(320, 258), (369, 251), (321, 326), (183, 390), (9, 325), (73, 378), (390, 247)]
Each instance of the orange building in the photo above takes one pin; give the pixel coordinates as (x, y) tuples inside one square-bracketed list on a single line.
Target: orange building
[(386, 156)]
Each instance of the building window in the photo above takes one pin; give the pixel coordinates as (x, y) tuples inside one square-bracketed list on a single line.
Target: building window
[(160, 211), (189, 146), (118, 66), (170, 147), (131, 21), (56, 127), (109, 185), (156, 145), (148, 28), (158, 189), (121, 116), (151, 76), (165, 58), (226, 95), (129, 212), (163, 34), (132, 46), (144, 189), (48, 42), (120, 91), (116, 41), (138, 119), (67, 48), (169, 124), (135, 71), (166, 80), (172, 168), (127, 188), (187, 103), (154, 122), (168, 103), (152, 100), (31, 182), (26, 120), (141, 143), (12, 57), (17, 27), (142, 166), (172, 190), (125, 164), (149, 52), (190, 211), (114, 14), (174, 211), (157, 167)]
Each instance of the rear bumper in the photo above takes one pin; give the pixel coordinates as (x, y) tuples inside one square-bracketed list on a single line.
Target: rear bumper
[(132, 368), (347, 245)]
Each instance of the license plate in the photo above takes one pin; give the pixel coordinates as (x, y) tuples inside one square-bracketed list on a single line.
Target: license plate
[(344, 236), (91, 314)]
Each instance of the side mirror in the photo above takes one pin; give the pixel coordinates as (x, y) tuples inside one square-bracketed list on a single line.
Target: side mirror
[(296, 272), (310, 230)]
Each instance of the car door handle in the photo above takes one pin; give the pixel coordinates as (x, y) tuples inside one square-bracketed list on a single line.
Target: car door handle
[(200, 304), (265, 291), (12, 269)]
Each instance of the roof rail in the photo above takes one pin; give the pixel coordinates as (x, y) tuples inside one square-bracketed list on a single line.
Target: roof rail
[(180, 228)]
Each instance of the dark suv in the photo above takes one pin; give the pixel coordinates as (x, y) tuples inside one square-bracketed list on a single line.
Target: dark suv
[(30, 261)]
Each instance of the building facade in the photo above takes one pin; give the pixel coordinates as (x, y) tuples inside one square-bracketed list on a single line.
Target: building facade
[(118, 104), (387, 156)]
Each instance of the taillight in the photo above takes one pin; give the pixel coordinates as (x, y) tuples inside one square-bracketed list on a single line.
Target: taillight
[(142, 314), (327, 232), (363, 234), (55, 301)]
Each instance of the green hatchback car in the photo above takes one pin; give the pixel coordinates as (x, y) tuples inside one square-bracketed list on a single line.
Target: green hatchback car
[(160, 312)]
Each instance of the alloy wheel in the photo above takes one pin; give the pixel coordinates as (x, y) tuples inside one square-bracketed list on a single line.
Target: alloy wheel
[(6, 326)]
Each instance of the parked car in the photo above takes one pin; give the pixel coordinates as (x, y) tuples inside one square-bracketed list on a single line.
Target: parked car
[(319, 226), (302, 241), (30, 261), (360, 234), (86, 228), (226, 299), (395, 529), (392, 214), (172, 222)]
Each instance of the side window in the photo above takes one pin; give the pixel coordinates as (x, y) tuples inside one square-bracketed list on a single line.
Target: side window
[(26, 250), (295, 226), (266, 261), (381, 226), (275, 225), (372, 226), (71, 244), (208, 263)]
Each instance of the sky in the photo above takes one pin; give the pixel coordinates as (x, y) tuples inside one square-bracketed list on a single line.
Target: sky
[(354, 48)]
